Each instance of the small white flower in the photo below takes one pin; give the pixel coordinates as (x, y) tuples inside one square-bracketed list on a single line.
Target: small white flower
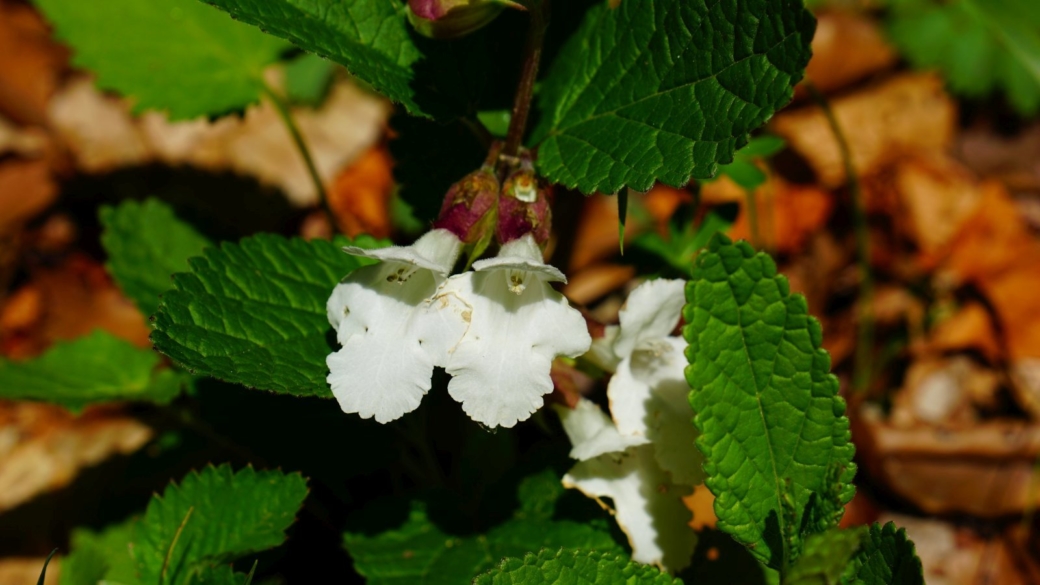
[(392, 335), (645, 460), (517, 325), (647, 504)]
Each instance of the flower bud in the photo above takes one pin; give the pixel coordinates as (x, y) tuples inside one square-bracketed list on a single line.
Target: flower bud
[(449, 19), (470, 208), (524, 207)]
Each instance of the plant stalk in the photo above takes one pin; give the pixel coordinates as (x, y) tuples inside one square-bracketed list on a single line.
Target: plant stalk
[(282, 108), (861, 367), (539, 10)]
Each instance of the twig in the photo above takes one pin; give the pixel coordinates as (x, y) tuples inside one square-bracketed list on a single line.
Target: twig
[(539, 10)]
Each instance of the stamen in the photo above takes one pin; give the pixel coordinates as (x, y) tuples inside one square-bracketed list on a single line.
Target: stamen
[(516, 281)]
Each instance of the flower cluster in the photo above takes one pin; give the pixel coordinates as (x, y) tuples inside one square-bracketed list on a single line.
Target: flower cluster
[(496, 329), (640, 457)]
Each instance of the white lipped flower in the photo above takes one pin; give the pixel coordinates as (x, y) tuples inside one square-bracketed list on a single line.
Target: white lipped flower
[(517, 325), (644, 458), (391, 332)]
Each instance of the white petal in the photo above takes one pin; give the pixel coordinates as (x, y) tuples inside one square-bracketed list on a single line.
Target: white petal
[(646, 505), (591, 431), (649, 398), (373, 296), (522, 254), (501, 366), (436, 250), (651, 312)]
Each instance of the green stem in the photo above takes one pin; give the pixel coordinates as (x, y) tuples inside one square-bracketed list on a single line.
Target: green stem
[(861, 368), (282, 108), (528, 74)]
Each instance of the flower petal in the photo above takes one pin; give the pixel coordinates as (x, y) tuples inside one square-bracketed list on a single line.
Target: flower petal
[(591, 431), (651, 312), (501, 366), (521, 254), (646, 505), (602, 351), (436, 250)]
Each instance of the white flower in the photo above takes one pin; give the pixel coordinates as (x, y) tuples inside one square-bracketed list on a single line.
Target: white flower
[(647, 505), (392, 334), (645, 460), (518, 324)]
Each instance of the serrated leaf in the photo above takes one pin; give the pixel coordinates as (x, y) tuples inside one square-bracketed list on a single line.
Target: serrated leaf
[(373, 40), (146, 244), (176, 55), (825, 556), (308, 78), (228, 515), (103, 556), (253, 313), (96, 368), (573, 567), (666, 89), (887, 557), (979, 47), (772, 425), (420, 553)]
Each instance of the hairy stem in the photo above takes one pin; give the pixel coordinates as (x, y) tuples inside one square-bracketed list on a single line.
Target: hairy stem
[(861, 366), (282, 108), (539, 10)]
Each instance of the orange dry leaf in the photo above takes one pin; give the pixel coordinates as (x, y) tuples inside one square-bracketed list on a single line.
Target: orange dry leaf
[(905, 114), (787, 215), (702, 503), (970, 328), (26, 188), (360, 196), (31, 64), (938, 195), (847, 47)]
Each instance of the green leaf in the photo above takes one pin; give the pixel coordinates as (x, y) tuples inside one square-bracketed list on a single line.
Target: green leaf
[(229, 515), (573, 567), (825, 556), (887, 557), (666, 89), (146, 244), (421, 553), (100, 556), (979, 47), (308, 78), (96, 368), (373, 40), (175, 55), (772, 424), (253, 313)]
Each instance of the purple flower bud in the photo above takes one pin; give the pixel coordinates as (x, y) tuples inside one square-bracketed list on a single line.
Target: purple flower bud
[(470, 207), (524, 208), (448, 19)]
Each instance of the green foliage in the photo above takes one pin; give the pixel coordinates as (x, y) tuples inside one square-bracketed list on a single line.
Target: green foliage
[(772, 425), (213, 517), (102, 556), (825, 556), (253, 313), (743, 170), (174, 55), (373, 40), (419, 552), (685, 238), (308, 78), (96, 368), (573, 567), (666, 89), (887, 557), (978, 46), (146, 244)]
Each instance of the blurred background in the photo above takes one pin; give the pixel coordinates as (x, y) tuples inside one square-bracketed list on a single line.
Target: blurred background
[(900, 192)]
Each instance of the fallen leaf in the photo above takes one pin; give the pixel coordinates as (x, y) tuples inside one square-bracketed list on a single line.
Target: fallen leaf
[(26, 570), (938, 194), (26, 189), (970, 328), (360, 195), (787, 215), (97, 129), (905, 114), (702, 503), (31, 64), (848, 46), (594, 282)]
